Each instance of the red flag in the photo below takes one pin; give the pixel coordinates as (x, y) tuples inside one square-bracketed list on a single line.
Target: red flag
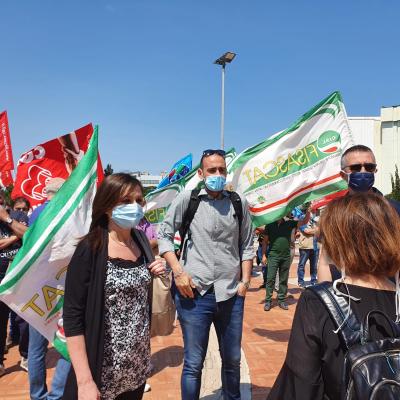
[(54, 159), (6, 179), (6, 158)]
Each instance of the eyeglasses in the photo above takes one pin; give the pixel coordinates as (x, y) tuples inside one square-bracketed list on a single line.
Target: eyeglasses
[(369, 167), (211, 152)]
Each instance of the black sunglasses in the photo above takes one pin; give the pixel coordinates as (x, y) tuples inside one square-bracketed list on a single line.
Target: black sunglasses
[(211, 152), (369, 167)]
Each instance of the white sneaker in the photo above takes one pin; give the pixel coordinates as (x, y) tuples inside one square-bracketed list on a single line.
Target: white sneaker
[(2, 370), (24, 364), (147, 388)]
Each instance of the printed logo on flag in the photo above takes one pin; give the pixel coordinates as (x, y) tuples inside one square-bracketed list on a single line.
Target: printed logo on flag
[(329, 142), (34, 185)]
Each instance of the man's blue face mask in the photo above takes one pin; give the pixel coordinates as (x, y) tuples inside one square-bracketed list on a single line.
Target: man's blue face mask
[(360, 181)]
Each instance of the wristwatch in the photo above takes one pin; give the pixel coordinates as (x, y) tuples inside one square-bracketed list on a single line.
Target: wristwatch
[(9, 221), (246, 284)]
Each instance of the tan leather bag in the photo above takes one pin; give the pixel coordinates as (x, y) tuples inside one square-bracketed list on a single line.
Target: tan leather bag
[(163, 308)]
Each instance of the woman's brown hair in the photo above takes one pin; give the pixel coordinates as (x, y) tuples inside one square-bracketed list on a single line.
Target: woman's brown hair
[(361, 233), (111, 192)]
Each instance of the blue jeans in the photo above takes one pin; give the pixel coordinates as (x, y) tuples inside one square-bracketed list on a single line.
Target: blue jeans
[(196, 316), (37, 369), (307, 254)]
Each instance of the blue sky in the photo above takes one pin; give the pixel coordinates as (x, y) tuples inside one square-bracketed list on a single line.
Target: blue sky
[(143, 70)]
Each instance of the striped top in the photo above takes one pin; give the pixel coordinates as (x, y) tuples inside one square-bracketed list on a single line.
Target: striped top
[(213, 256)]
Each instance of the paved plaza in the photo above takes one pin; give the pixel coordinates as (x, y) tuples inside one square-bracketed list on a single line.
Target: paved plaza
[(265, 338)]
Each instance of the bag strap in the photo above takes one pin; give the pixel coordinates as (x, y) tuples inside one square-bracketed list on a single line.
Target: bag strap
[(338, 308), (237, 206), (187, 219)]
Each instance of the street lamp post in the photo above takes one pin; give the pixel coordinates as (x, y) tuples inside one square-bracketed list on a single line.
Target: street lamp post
[(223, 60)]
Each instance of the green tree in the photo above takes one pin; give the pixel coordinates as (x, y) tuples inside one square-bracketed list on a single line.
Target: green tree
[(7, 193), (108, 170), (395, 180)]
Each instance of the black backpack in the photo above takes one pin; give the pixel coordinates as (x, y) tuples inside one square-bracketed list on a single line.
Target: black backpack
[(191, 211), (371, 367)]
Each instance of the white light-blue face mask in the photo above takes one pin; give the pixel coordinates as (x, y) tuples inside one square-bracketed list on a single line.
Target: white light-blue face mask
[(215, 183), (127, 215), (339, 293)]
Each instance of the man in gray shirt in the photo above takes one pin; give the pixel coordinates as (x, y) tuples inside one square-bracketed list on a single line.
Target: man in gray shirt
[(213, 277)]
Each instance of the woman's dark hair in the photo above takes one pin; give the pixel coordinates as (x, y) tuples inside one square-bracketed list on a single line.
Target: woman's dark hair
[(361, 233), (110, 193)]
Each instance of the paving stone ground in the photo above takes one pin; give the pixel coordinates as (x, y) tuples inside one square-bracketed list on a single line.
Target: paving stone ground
[(265, 337)]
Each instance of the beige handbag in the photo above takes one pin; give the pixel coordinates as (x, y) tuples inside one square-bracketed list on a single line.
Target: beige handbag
[(163, 308)]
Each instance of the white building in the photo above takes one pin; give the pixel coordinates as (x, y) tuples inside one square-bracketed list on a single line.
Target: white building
[(147, 179), (382, 135)]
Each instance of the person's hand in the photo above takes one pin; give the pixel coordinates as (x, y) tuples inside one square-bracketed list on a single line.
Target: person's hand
[(3, 214), (4, 243), (264, 259), (185, 285), (88, 391), (242, 289), (78, 156), (158, 267)]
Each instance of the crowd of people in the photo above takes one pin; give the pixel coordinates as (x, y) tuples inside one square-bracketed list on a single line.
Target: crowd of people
[(352, 248)]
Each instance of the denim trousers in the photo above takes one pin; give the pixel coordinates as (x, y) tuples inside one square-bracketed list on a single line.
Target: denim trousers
[(195, 316), (307, 254), (37, 369), (14, 328)]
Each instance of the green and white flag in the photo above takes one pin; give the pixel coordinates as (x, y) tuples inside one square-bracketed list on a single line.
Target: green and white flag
[(295, 166), (158, 201), (34, 284)]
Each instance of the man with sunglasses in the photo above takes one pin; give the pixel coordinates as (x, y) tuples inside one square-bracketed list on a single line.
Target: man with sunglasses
[(213, 274), (358, 168)]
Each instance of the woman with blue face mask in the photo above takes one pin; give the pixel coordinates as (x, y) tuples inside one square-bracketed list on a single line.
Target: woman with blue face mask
[(108, 298)]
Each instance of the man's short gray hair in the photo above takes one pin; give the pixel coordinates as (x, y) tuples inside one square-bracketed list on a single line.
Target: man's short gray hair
[(357, 148)]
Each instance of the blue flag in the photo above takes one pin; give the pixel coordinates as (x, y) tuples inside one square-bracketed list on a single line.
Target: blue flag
[(180, 169)]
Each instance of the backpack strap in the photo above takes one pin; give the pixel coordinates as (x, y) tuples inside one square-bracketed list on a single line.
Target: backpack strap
[(187, 219), (237, 206), (338, 308)]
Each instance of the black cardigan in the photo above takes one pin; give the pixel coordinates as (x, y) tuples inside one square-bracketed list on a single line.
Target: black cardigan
[(83, 312)]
